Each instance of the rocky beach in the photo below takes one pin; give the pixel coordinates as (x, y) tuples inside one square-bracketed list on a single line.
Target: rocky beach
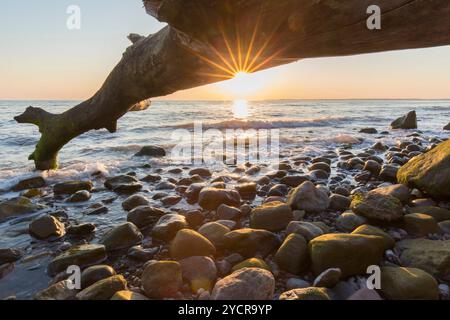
[(308, 229)]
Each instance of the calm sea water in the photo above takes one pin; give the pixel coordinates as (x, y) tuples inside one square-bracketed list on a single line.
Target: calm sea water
[(306, 128), (311, 124)]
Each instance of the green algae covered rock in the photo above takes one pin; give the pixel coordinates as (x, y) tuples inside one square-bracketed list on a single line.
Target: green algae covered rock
[(429, 172), (352, 253)]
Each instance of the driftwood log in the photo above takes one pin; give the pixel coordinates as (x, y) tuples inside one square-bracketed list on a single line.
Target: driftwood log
[(210, 40)]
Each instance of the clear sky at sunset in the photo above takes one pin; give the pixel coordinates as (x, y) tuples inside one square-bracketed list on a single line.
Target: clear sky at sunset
[(41, 59)]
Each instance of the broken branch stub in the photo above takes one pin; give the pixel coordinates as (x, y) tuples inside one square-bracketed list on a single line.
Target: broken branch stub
[(208, 41)]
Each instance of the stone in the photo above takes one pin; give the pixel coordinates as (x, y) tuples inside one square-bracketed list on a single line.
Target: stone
[(328, 279), (71, 187), (245, 284), (439, 214), (250, 242), (273, 216), (80, 196), (409, 121), (447, 127), (369, 230), (311, 293), (399, 191), (30, 183), (165, 185), (408, 284), (200, 271), (121, 236), (193, 191), (278, 190), (225, 212), (151, 178), (168, 225), (432, 256), (162, 279), (126, 295), (212, 198), (365, 294), (144, 216), (202, 172), (348, 221), (45, 227), (247, 191), (151, 151), (308, 197), (194, 218), (351, 253), (295, 283), (9, 255), (16, 207), (368, 130), (307, 230), (57, 292), (320, 166), (444, 226), (214, 232), (83, 256), (188, 243), (339, 202), (140, 254), (389, 173), (251, 263), (103, 289), (420, 225), (93, 274), (135, 201), (293, 181), (319, 175), (373, 167), (429, 172), (123, 184), (81, 229), (377, 206), (293, 255)]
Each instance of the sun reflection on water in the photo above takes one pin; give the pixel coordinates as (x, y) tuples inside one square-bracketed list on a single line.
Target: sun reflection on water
[(240, 109)]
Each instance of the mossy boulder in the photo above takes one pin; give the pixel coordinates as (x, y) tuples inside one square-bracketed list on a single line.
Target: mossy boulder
[(352, 253), (408, 284), (272, 216), (311, 293), (83, 256), (377, 206), (103, 289), (420, 225), (189, 243), (429, 172), (250, 242), (433, 256), (16, 207), (369, 230), (122, 236), (214, 232), (293, 255)]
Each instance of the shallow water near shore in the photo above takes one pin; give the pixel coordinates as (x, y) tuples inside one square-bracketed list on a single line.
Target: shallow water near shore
[(307, 128)]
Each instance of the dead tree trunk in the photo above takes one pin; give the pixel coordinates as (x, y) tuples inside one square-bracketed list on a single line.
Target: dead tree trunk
[(210, 40)]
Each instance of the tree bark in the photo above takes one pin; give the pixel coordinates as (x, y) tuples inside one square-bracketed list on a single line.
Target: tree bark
[(210, 40)]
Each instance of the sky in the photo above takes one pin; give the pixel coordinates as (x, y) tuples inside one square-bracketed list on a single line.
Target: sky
[(41, 59)]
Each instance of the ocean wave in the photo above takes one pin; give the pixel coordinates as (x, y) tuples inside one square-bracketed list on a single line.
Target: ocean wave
[(269, 124)]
